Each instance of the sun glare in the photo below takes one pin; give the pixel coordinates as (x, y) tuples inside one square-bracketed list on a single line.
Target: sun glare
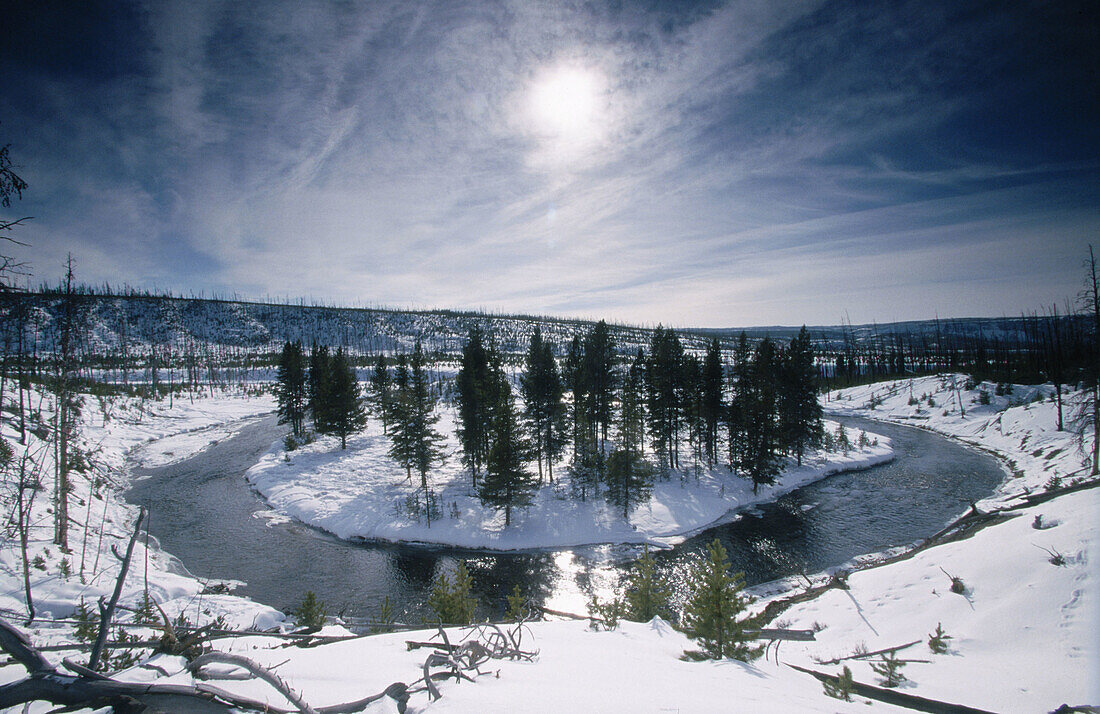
[(565, 103)]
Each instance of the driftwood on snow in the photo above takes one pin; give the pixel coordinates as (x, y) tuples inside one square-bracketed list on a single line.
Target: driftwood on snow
[(892, 696)]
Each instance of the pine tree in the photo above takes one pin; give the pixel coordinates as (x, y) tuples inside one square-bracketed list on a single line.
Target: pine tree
[(712, 403), (380, 391), (599, 367), (399, 407), (574, 378), (474, 391), (519, 607), (690, 394), (290, 387), (543, 407), (737, 411), (320, 365), (714, 606), (311, 612), (344, 413), (648, 595), (588, 463), (451, 598), (507, 484), (762, 460), (629, 480), (424, 442), (799, 411), (664, 374), (632, 406)]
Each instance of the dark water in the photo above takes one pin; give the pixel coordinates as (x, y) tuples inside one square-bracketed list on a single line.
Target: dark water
[(204, 513)]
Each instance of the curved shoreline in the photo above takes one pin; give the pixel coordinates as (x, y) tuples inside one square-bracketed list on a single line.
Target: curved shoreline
[(356, 496)]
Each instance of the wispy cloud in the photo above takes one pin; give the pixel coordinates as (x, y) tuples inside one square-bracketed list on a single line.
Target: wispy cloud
[(743, 163)]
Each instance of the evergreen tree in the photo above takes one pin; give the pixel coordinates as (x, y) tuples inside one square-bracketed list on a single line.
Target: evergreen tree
[(799, 412), (737, 416), (424, 441), (451, 598), (648, 595), (290, 389), (344, 413), (399, 408), (575, 382), (380, 391), (474, 390), (542, 393), (599, 368), (588, 462), (712, 406), (629, 480), (714, 609), (663, 390), (507, 484), (762, 459), (690, 393), (320, 364), (632, 406)]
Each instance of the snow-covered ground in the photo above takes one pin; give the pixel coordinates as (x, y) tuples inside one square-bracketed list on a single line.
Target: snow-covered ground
[(361, 493), (110, 429), (1024, 630)]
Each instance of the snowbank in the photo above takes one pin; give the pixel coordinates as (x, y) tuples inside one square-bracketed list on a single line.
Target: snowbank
[(362, 493), (1025, 631), (110, 429)]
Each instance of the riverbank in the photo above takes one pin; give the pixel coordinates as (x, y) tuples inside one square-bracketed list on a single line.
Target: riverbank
[(112, 429), (1024, 628), (362, 494)]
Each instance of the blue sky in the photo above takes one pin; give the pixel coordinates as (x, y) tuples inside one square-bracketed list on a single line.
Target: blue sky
[(696, 164)]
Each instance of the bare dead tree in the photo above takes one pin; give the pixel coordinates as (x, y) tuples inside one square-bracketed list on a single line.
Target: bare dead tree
[(1087, 413)]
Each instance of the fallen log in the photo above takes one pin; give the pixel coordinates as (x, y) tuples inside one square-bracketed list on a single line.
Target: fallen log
[(892, 696), (864, 655)]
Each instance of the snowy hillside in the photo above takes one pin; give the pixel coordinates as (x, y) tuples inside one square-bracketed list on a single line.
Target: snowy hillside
[(129, 325)]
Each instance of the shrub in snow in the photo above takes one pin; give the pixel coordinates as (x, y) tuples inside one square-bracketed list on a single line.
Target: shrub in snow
[(386, 615), (714, 609), (647, 593), (87, 624), (519, 607), (983, 397), (290, 443), (937, 641), (450, 598), (842, 687), (606, 614), (889, 670), (311, 613), (146, 612), (1053, 483)]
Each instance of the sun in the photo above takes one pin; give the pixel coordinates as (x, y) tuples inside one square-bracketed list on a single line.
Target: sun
[(566, 103)]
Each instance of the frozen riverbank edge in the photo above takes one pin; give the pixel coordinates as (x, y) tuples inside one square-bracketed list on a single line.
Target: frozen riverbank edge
[(360, 495), (1024, 632)]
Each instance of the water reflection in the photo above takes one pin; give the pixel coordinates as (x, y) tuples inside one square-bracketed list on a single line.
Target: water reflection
[(202, 512)]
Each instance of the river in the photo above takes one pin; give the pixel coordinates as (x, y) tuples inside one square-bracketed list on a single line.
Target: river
[(203, 511)]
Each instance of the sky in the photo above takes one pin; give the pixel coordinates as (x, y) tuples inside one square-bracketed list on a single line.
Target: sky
[(701, 164)]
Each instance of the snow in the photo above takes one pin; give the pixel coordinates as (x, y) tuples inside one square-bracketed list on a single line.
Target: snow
[(361, 493), (111, 428), (1024, 631)]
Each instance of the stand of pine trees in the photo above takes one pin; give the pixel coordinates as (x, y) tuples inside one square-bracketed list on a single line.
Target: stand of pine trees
[(608, 408), (329, 390)]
